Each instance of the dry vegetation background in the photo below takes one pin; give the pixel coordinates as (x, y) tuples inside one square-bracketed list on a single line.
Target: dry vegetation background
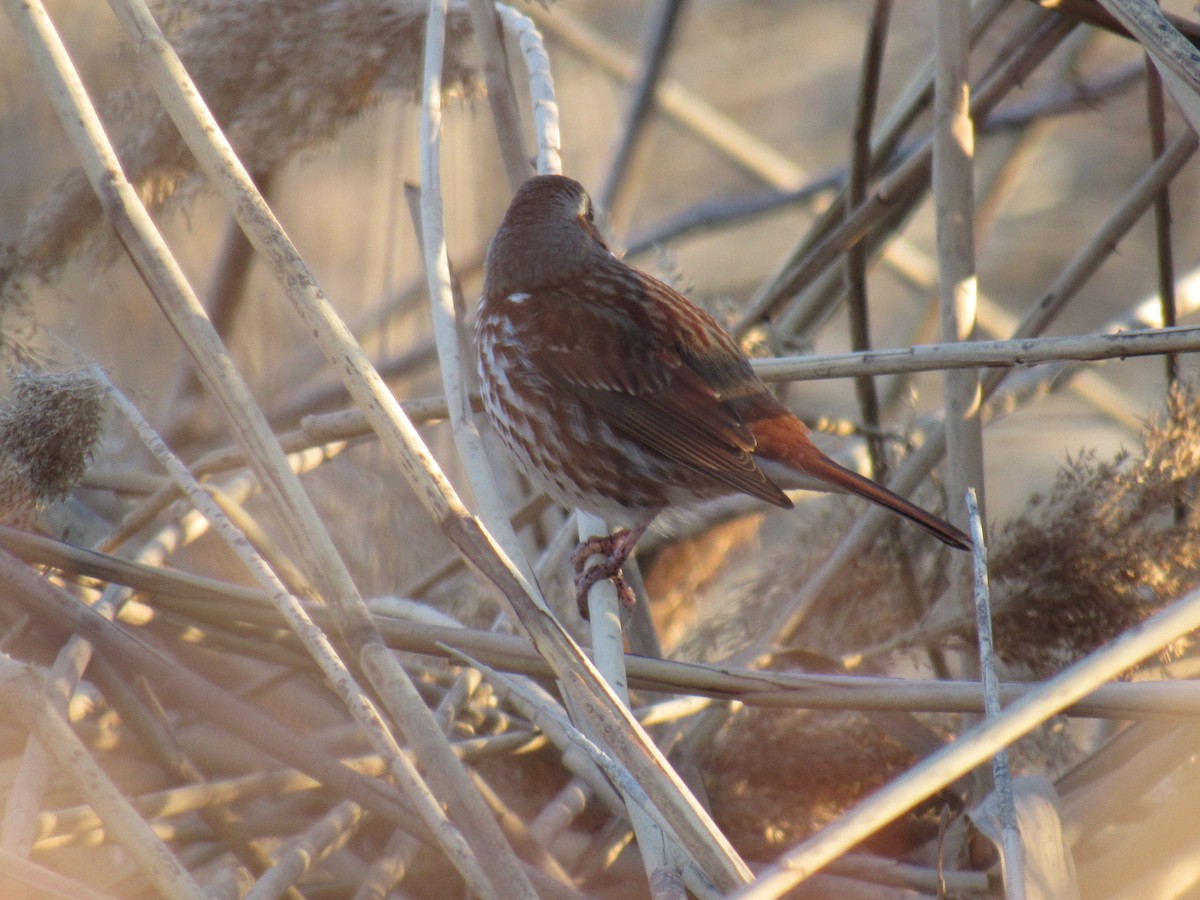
[(1090, 469)]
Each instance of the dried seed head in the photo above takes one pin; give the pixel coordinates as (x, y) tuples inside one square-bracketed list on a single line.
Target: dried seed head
[(279, 77), (47, 433), (1110, 544)]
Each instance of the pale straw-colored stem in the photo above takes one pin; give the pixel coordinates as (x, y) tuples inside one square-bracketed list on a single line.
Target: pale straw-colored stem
[(24, 694), (316, 642), (661, 857), (953, 181), (1014, 878)]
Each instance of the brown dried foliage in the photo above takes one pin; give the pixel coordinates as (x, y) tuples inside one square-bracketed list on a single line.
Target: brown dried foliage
[(777, 776)]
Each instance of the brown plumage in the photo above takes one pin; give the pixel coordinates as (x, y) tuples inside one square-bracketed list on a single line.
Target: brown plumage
[(618, 395)]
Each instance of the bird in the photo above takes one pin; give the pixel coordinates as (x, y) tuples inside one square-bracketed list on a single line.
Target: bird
[(617, 395)]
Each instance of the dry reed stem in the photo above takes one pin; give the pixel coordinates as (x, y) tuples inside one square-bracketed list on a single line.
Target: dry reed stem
[(674, 100), (489, 35), (662, 858), (1176, 58), (1164, 249), (976, 354), (1073, 276), (975, 745), (230, 601), (1150, 700), (145, 245), (449, 330), (660, 37), (541, 87), (399, 696), (858, 172), (315, 641), (954, 206), (24, 694), (323, 430), (324, 836), (1012, 864)]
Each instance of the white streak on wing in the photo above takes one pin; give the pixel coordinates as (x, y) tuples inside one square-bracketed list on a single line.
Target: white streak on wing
[(518, 297)]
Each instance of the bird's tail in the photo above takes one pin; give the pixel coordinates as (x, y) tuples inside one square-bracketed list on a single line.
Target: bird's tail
[(797, 463)]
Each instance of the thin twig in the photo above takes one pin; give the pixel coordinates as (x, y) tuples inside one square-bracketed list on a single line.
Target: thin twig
[(485, 22), (1164, 254), (673, 100), (660, 36), (1014, 870), (901, 188), (856, 257)]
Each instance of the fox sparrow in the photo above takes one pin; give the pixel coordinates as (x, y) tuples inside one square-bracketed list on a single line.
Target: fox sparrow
[(617, 395)]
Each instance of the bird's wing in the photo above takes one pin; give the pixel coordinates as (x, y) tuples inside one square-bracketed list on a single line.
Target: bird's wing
[(657, 369)]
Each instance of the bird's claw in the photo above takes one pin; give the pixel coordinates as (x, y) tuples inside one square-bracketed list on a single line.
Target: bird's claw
[(614, 550)]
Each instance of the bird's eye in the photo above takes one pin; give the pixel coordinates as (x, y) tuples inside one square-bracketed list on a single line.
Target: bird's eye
[(589, 212)]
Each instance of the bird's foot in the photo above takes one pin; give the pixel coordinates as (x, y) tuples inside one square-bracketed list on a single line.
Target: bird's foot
[(614, 549)]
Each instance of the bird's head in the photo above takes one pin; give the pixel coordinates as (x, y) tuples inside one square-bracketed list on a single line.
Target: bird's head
[(547, 236)]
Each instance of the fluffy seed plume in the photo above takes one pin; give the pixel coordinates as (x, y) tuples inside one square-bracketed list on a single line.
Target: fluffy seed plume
[(1110, 544), (47, 433)]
